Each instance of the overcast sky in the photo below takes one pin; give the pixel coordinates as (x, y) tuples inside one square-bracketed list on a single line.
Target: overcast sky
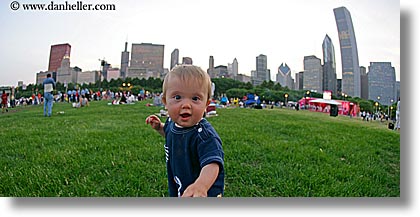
[(285, 31)]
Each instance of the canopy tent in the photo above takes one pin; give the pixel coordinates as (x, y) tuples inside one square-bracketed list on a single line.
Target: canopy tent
[(350, 108), (324, 105), (325, 101)]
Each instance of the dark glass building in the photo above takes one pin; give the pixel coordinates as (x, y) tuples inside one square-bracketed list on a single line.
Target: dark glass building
[(329, 80), (382, 83), (125, 58), (349, 55)]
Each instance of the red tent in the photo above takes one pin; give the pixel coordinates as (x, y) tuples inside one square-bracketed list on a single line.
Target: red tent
[(323, 105)]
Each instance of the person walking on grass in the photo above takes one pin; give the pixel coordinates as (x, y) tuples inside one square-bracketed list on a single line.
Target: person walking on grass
[(194, 154), (49, 85)]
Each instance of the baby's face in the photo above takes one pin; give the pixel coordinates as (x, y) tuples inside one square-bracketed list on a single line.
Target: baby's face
[(186, 101)]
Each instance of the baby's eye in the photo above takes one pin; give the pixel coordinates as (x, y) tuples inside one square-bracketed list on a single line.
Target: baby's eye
[(196, 98), (177, 97)]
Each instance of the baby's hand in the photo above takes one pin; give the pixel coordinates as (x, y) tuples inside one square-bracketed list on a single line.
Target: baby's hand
[(154, 121), (195, 190)]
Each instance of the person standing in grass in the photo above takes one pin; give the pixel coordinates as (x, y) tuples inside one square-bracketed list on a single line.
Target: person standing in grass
[(49, 85), (4, 102), (397, 116), (194, 153)]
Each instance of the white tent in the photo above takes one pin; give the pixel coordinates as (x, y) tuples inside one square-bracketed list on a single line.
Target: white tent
[(326, 101)]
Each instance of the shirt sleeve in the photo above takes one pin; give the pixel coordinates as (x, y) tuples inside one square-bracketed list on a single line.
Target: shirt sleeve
[(210, 151)]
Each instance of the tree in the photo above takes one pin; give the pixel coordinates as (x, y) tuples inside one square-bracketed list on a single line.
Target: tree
[(224, 84), (247, 85), (365, 105), (277, 86), (267, 84), (105, 84), (237, 93)]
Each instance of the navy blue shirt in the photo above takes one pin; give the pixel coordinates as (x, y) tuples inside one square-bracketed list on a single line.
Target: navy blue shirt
[(188, 150)]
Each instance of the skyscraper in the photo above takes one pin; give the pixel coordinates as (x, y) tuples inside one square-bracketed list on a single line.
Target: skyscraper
[(235, 68), (397, 89), (329, 80), (349, 55), (284, 76), (210, 70), (174, 58), (221, 71), (65, 73), (57, 53), (125, 55), (187, 60), (381, 79), (364, 83), (299, 81), (261, 73), (146, 60), (312, 78)]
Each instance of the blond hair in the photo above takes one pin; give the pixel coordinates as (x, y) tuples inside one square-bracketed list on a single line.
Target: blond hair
[(189, 73)]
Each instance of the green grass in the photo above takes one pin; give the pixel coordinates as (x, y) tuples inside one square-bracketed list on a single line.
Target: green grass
[(109, 151)]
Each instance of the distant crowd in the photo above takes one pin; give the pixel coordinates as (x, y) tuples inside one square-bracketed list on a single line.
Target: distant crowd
[(81, 97)]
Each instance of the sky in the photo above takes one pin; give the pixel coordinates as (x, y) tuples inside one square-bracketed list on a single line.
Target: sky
[(284, 31)]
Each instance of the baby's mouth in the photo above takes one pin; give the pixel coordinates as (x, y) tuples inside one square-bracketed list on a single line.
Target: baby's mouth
[(185, 115)]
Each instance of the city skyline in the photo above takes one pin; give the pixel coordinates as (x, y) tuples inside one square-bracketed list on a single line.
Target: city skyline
[(198, 30)]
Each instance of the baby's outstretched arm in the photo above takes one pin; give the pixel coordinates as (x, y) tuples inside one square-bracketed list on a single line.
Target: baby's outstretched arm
[(203, 183), (156, 124)]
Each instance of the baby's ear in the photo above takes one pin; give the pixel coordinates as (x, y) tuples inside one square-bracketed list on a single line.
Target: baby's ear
[(208, 102)]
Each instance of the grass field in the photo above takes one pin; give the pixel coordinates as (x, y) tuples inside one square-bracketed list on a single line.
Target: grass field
[(108, 151)]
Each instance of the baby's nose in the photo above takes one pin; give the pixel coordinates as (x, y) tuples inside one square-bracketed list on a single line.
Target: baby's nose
[(186, 105)]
